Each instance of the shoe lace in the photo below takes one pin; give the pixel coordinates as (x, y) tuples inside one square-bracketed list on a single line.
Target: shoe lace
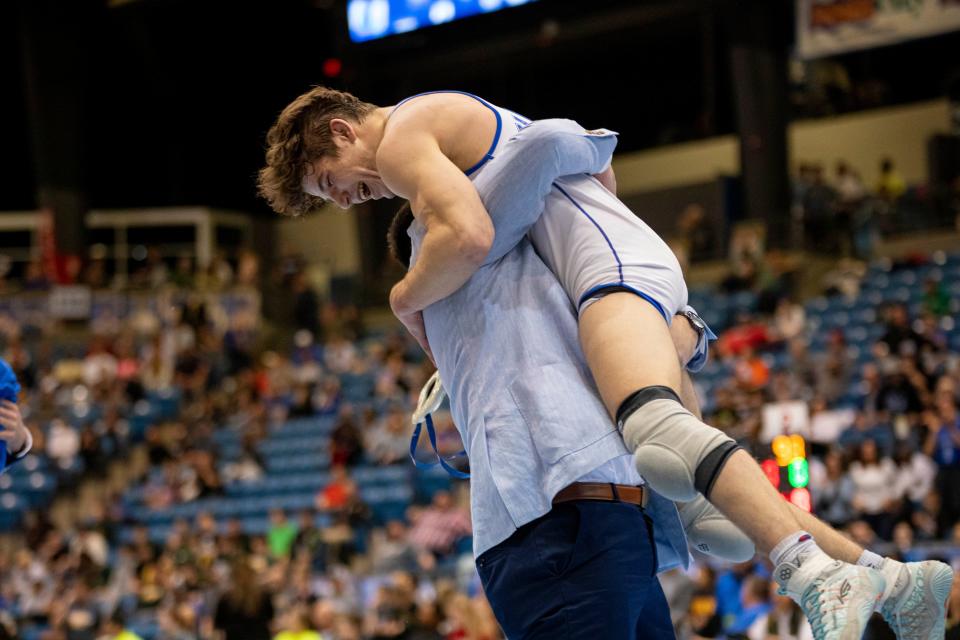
[(812, 602)]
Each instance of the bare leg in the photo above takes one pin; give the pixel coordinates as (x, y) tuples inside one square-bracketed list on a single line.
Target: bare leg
[(628, 347), (688, 396), (743, 494), (834, 544)]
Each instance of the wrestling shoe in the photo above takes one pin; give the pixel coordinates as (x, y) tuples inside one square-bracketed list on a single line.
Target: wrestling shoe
[(915, 601), (837, 598)]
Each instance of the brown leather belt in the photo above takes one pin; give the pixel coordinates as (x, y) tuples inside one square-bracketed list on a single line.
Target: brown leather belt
[(603, 492)]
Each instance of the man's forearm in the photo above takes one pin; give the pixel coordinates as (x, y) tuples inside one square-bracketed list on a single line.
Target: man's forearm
[(446, 260)]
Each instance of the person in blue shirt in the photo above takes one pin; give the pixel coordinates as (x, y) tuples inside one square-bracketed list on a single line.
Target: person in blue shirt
[(943, 445), (15, 438)]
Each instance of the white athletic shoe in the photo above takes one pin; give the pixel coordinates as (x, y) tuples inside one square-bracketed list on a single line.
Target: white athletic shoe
[(837, 598), (915, 602)]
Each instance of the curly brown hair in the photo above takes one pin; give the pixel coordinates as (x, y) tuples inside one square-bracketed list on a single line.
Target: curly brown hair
[(300, 136)]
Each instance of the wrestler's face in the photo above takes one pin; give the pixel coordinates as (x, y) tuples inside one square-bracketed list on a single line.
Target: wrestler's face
[(351, 177)]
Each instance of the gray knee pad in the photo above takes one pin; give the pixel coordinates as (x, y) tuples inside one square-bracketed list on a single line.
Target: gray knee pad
[(678, 455), (709, 531)]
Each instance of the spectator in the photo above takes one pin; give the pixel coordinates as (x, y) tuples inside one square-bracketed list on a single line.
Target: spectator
[(388, 442), (936, 301), (943, 445), (178, 622), (182, 276), (336, 495), (81, 617), (752, 619), (309, 541), (467, 620), (747, 333), (903, 541), (916, 474), (281, 535), (861, 533), (697, 233), (295, 625), (207, 478), (116, 629), (245, 610), (789, 319), (248, 468), (897, 396), (900, 336), (751, 371), (63, 444), (99, 366), (157, 372), (874, 488), (785, 621), (391, 550), (155, 273), (890, 185), (340, 355), (849, 186), (34, 279), (819, 205), (440, 525), (346, 443), (306, 311), (705, 619), (833, 491), (850, 197), (16, 439)]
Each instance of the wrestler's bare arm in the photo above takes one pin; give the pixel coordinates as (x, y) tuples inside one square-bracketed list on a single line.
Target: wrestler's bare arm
[(459, 231), (608, 180)]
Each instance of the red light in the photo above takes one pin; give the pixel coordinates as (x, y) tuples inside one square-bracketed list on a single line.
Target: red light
[(772, 470), (332, 67), (801, 498)]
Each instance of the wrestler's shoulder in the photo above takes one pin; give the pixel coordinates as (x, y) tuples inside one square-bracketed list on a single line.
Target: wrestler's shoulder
[(438, 115)]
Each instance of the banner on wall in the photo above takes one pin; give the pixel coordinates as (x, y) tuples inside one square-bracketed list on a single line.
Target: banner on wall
[(829, 27), (785, 418)]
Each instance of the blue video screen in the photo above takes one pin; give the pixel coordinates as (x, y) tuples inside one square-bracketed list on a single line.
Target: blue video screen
[(372, 19)]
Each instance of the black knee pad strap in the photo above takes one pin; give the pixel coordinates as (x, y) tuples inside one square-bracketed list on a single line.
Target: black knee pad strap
[(639, 398), (712, 465)]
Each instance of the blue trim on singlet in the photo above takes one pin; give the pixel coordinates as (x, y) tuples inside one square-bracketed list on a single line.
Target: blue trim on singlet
[(621, 284), (599, 228), (496, 138)]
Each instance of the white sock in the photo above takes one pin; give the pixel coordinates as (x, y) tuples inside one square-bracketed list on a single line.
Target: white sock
[(870, 559), (798, 548), (897, 580)]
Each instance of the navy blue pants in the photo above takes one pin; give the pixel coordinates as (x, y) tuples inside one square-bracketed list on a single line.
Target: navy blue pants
[(585, 570)]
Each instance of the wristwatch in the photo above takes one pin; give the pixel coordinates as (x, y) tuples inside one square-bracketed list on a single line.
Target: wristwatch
[(704, 336), (695, 321)]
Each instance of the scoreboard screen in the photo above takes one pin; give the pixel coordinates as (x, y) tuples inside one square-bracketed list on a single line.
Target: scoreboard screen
[(372, 19)]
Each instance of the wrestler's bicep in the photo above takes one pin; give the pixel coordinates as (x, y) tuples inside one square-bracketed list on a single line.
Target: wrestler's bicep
[(439, 193)]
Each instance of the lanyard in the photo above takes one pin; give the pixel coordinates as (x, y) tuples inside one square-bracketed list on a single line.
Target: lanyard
[(431, 396), (443, 462)]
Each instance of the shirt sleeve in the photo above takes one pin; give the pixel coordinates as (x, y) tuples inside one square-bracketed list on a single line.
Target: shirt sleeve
[(11, 458)]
